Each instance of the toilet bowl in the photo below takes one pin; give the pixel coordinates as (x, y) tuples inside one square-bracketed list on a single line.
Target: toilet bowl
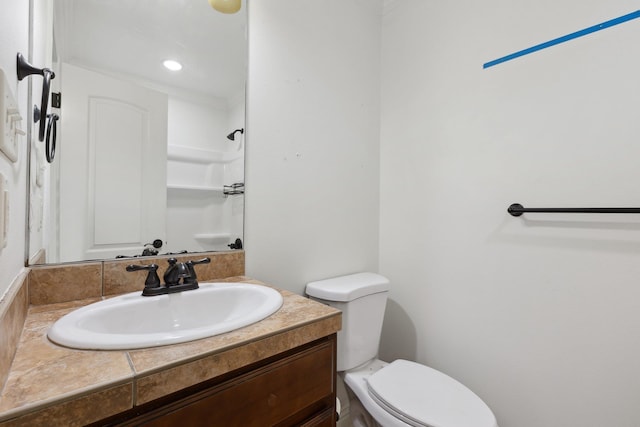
[(397, 394)]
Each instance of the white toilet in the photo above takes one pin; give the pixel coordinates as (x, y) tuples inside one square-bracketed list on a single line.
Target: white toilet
[(401, 393)]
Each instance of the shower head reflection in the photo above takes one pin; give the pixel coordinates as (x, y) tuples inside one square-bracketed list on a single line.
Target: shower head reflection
[(232, 135)]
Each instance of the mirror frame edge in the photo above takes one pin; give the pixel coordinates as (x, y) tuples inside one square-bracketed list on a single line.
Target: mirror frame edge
[(27, 236), (27, 223)]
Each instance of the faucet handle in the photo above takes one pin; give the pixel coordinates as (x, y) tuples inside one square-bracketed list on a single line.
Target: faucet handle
[(192, 271), (152, 281)]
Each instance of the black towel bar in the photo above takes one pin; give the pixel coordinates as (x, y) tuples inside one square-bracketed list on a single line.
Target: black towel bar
[(517, 209)]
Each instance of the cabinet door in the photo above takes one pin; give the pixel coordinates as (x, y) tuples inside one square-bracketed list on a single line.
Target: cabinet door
[(297, 390)]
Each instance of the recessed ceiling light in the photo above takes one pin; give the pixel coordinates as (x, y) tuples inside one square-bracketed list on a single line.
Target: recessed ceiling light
[(172, 65)]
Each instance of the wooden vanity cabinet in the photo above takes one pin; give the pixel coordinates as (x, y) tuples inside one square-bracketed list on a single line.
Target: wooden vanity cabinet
[(296, 388)]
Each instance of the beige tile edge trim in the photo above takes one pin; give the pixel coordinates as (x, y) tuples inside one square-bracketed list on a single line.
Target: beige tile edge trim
[(153, 386), (83, 410), (13, 312), (13, 289)]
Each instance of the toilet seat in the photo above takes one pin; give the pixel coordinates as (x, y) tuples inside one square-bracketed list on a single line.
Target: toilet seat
[(423, 397)]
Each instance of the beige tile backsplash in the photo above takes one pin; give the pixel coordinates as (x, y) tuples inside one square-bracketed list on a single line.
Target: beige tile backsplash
[(68, 282), (61, 283), (117, 280)]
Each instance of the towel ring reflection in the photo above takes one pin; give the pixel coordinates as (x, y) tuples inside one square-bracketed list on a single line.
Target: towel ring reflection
[(25, 69), (50, 144)]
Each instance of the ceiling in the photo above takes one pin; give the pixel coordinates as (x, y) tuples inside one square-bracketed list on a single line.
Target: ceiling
[(134, 37)]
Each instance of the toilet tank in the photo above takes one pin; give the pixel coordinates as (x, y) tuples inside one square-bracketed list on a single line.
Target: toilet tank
[(362, 298)]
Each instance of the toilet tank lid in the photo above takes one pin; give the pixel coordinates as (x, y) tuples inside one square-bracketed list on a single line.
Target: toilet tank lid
[(348, 288)]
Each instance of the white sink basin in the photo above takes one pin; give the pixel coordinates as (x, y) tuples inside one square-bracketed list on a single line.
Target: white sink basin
[(132, 321)]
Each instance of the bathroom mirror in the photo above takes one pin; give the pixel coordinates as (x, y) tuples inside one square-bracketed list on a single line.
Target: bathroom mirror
[(143, 153)]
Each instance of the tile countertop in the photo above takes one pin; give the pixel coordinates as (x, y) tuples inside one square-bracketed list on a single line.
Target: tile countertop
[(53, 385)]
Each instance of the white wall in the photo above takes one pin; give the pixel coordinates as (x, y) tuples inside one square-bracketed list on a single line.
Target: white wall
[(197, 124), (539, 315), (312, 136), (14, 38)]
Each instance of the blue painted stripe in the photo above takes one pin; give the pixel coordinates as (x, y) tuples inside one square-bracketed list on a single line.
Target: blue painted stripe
[(589, 30)]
